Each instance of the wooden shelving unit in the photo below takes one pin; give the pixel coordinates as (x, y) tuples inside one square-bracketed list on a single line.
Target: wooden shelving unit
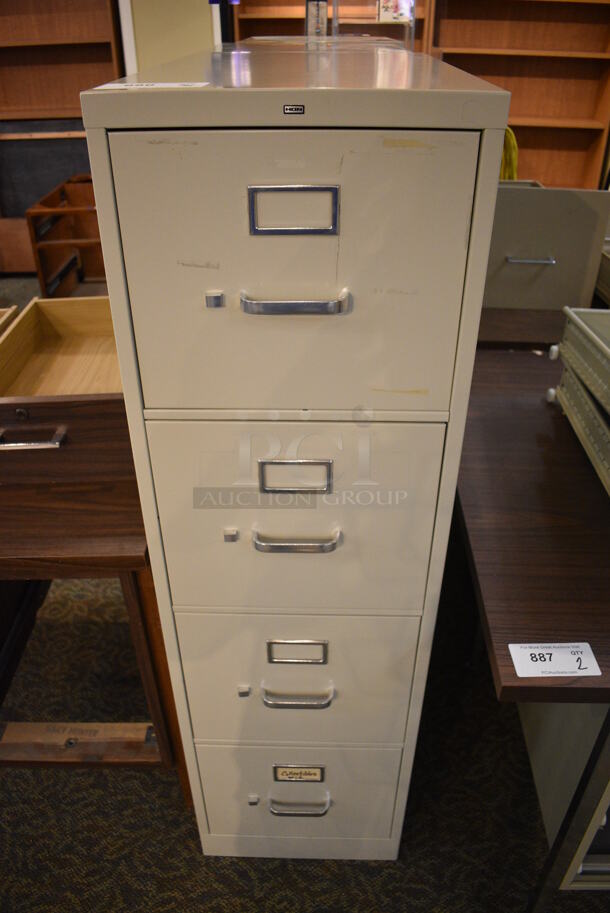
[(554, 57), (259, 17), (50, 51), (45, 81)]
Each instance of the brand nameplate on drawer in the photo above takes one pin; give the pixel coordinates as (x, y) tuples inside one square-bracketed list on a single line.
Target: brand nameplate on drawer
[(290, 773)]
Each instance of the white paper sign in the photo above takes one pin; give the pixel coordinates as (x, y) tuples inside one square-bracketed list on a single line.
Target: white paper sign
[(546, 660), (153, 85)]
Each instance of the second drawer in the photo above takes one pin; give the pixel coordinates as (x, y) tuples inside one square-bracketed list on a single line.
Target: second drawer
[(297, 678), (349, 529)]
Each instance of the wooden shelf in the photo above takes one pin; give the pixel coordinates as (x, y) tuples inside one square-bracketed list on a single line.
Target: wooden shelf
[(26, 22), (294, 14), (45, 81), (476, 26), (284, 13), (560, 157), (268, 17), (369, 22), (561, 123), (526, 52), (553, 56), (50, 51), (40, 113), (575, 2), (53, 42)]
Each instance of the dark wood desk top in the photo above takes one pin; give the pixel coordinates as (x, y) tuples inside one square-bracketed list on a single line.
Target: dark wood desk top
[(520, 326), (537, 521), (65, 530)]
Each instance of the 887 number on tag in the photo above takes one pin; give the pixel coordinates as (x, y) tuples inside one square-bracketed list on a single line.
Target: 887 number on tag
[(542, 660)]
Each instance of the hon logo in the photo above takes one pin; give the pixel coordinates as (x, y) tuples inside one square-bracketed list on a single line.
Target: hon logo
[(294, 109)]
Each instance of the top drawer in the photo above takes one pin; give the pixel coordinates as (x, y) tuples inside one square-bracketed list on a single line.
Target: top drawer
[(396, 241)]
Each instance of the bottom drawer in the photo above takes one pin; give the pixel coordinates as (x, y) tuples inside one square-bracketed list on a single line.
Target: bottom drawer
[(299, 792)]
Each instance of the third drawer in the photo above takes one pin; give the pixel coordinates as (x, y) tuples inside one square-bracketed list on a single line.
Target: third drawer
[(293, 678)]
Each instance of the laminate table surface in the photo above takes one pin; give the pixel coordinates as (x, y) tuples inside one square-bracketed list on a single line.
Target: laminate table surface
[(537, 523), (71, 530)]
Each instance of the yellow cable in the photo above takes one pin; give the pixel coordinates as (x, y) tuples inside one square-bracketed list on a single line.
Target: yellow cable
[(510, 156)]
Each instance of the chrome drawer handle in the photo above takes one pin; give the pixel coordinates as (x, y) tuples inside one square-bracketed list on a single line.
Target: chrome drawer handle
[(338, 305), (271, 544), (297, 701), (52, 444), (543, 261), (299, 809)]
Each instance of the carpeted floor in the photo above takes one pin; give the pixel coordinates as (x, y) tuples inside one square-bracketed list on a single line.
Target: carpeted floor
[(114, 840), (18, 289)]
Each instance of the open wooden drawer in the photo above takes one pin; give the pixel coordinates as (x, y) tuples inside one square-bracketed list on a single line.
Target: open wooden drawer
[(62, 416), (7, 315)]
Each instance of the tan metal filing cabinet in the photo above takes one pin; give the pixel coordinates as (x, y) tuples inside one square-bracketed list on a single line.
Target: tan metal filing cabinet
[(296, 237)]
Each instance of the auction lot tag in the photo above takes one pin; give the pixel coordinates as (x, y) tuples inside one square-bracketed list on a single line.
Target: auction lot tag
[(153, 85), (544, 660)]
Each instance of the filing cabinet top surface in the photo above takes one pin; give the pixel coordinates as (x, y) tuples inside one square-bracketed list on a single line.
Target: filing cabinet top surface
[(287, 82)]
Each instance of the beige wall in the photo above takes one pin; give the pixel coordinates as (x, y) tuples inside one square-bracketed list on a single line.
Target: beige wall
[(167, 29)]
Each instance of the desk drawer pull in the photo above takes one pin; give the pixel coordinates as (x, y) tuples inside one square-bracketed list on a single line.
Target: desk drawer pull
[(527, 261), (299, 809), (339, 305), (271, 544), (54, 442), (297, 701)]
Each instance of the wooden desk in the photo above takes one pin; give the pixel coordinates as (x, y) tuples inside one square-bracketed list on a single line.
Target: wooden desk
[(537, 523), (90, 530)]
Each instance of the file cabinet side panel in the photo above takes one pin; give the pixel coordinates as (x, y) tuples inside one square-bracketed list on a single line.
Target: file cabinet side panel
[(490, 152)]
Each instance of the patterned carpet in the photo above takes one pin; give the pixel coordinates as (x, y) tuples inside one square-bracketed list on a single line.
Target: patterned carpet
[(114, 840)]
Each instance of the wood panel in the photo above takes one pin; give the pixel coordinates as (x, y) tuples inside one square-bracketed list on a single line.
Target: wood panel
[(538, 522), (7, 315), (47, 352), (68, 529), (154, 635), (520, 327), (254, 18), (560, 157), (542, 87), (533, 26), (46, 81), (28, 22), (78, 743), (554, 57), (15, 249)]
